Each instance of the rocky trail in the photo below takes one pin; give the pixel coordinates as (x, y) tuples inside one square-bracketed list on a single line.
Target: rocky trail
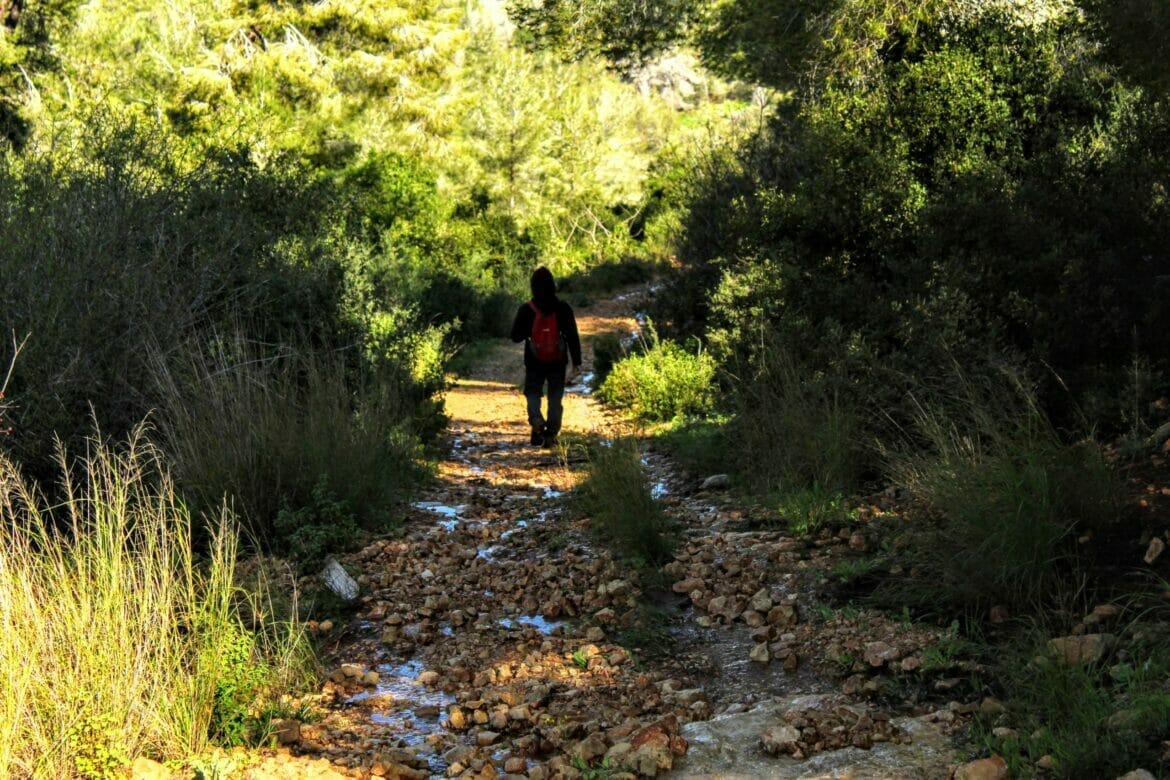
[(494, 637)]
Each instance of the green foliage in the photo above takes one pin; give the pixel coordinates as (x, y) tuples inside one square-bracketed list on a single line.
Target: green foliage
[(808, 510), (952, 180), (580, 658), (1135, 33), (1094, 721), (238, 686), (608, 350), (623, 32), (662, 382), (616, 497), (311, 532), (699, 446), (167, 658), (95, 742), (1011, 496)]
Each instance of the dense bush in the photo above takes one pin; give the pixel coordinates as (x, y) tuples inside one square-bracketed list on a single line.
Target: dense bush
[(948, 175), (225, 299), (661, 382)]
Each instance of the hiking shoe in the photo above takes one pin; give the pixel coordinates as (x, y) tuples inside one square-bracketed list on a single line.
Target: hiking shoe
[(548, 442), (537, 439)]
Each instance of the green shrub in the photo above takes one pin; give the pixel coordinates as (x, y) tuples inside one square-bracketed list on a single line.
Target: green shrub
[(661, 383), (270, 432), (311, 532), (1009, 494), (608, 349), (616, 497), (699, 446)]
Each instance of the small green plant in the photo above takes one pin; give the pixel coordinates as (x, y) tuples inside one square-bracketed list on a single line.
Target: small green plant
[(616, 496), (845, 661), (580, 658), (96, 742), (850, 570), (944, 653), (699, 445), (241, 679), (1092, 723), (324, 526), (607, 351), (602, 771), (810, 509), (795, 426), (662, 382)]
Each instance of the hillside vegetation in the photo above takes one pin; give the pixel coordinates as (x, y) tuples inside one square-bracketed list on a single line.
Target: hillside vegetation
[(908, 247)]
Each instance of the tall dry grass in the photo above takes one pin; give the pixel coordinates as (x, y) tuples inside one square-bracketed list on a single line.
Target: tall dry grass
[(114, 635)]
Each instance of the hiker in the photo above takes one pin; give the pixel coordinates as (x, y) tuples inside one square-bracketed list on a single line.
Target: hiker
[(547, 326)]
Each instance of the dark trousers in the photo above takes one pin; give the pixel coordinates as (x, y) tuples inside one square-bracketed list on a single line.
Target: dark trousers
[(535, 378)]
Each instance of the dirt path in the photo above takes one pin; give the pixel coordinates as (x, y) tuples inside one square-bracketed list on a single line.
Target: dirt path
[(494, 638)]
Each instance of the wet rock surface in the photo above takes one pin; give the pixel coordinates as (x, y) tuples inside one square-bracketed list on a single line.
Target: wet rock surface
[(493, 638)]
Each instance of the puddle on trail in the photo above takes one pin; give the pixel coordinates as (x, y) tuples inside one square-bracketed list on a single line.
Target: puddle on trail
[(520, 524), (411, 712), (541, 624), (441, 509), (733, 678), (584, 385), (489, 553)]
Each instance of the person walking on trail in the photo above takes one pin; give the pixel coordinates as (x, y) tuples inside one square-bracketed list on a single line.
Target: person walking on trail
[(548, 329)]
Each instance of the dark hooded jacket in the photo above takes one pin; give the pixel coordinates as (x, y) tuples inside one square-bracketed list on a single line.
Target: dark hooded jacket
[(544, 296)]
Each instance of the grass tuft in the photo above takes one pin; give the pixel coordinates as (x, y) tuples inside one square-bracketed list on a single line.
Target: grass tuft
[(616, 496), (1009, 494), (116, 640)]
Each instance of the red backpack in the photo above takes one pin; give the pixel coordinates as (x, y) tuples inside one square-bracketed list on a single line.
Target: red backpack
[(548, 345)]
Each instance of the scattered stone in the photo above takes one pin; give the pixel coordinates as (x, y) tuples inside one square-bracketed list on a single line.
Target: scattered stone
[(1079, 650), (1105, 612), (590, 748), (1137, 774), (147, 769), (780, 739), (999, 615), (994, 768), (761, 601), (338, 580), (457, 719), (1156, 548), (1047, 762), (716, 482), (287, 732), (991, 706), (760, 653), (879, 653)]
